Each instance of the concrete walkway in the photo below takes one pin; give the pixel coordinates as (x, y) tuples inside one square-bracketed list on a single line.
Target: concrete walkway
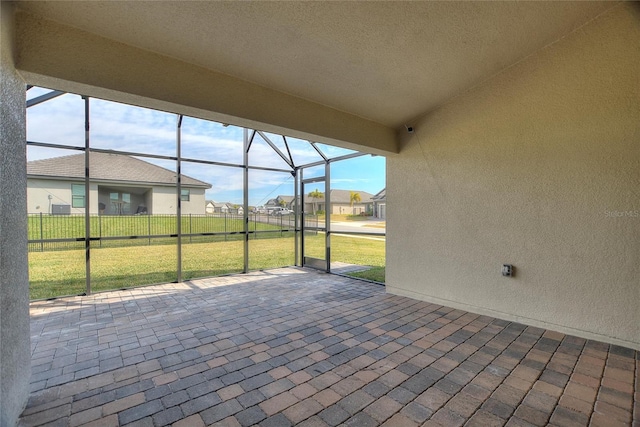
[(298, 347)]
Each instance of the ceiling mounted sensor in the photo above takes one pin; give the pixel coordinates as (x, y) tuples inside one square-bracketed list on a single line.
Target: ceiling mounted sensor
[(409, 129)]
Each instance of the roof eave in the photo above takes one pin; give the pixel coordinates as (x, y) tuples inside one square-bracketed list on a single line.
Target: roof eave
[(117, 182)]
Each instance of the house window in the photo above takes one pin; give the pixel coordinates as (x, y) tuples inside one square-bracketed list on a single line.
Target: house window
[(184, 195), (77, 195)]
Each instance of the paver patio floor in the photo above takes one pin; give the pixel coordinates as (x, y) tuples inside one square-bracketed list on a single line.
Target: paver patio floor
[(293, 346)]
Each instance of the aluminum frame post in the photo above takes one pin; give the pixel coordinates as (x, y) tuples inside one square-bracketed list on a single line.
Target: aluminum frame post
[(327, 214), (87, 201), (245, 185), (179, 194), (296, 217), (303, 222)]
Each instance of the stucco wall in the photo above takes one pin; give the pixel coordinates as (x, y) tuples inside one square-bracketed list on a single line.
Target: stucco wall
[(164, 201), (196, 204), (159, 200), (15, 368), (39, 190), (538, 167)]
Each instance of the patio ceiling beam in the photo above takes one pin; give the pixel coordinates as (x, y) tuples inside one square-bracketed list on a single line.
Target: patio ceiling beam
[(51, 54)]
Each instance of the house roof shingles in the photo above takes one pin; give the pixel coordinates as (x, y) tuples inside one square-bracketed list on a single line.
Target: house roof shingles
[(109, 167), (380, 195)]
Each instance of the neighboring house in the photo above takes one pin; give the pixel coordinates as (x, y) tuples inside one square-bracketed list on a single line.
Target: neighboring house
[(214, 207), (341, 203), (209, 206), (281, 202), (119, 185), (380, 204)]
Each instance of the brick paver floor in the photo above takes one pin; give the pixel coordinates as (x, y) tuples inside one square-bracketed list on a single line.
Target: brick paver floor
[(297, 347)]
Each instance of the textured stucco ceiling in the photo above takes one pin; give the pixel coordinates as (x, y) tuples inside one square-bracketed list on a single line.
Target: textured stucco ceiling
[(384, 61)]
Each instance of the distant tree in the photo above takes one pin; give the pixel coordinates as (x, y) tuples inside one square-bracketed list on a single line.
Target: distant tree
[(283, 203), (315, 194), (354, 198)]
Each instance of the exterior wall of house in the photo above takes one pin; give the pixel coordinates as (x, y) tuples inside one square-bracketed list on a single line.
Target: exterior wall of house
[(340, 208), (196, 203), (347, 209), (15, 351), (148, 200), (159, 200), (164, 201), (538, 167), (39, 190)]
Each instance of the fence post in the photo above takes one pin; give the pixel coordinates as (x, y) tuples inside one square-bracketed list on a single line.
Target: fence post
[(100, 228), (41, 235), (190, 237), (149, 226), (225, 226)]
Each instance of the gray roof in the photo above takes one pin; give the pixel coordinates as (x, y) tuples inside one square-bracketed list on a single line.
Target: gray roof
[(380, 195), (109, 167), (287, 199), (276, 201)]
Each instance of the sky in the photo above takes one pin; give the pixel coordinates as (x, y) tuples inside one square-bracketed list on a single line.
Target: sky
[(122, 127)]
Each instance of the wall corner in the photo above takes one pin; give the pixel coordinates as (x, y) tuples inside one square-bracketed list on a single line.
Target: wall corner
[(15, 354)]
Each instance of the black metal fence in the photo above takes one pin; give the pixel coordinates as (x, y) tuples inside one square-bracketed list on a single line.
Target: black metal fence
[(66, 232)]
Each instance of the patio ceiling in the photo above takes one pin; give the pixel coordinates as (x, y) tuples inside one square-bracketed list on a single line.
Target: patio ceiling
[(385, 62)]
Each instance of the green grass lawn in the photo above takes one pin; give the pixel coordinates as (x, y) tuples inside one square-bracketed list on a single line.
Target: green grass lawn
[(374, 273), (57, 273)]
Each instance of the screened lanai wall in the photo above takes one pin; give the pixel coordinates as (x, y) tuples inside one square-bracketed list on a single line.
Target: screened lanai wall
[(122, 196)]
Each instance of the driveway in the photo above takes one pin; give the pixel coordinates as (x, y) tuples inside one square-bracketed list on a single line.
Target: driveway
[(373, 226)]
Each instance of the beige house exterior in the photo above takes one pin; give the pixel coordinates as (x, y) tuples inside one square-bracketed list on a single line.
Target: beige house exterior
[(380, 204), (213, 207), (119, 185), (510, 128), (341, 203)]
